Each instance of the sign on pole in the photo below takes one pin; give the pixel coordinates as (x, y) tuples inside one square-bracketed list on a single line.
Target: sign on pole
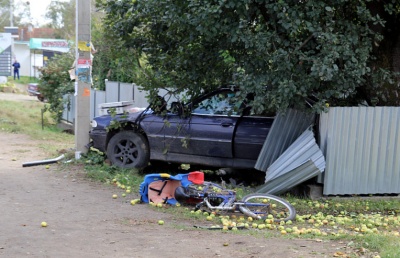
[(5, 54)]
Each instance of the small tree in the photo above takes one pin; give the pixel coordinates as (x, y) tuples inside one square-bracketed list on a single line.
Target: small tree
[(55, 82), (112, 61)]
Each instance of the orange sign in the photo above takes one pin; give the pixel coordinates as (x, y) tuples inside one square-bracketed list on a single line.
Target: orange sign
[(86, 92)]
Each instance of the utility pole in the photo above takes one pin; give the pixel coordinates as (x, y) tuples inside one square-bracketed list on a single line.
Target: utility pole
[(83, 76), (11, 13)]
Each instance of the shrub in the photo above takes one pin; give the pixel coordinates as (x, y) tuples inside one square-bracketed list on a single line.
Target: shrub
[(55, 82)]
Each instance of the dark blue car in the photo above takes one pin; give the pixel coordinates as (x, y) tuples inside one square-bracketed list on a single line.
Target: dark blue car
[(212, 130)]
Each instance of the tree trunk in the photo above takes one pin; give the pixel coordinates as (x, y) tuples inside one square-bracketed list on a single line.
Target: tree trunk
[(396, 55)]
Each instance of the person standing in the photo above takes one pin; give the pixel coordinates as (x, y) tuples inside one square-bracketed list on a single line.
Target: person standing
[(16, 66)]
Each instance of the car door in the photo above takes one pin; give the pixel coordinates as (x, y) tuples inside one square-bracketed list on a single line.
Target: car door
[(250, 136), (207, 131), (154, 126)]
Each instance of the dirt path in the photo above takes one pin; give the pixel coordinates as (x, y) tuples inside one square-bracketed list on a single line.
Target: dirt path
[(84, 221)]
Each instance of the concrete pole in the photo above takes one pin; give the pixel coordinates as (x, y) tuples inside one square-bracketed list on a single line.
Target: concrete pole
[(82, 84), (11, 13)]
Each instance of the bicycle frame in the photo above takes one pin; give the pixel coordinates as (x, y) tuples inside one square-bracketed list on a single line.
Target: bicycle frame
[(229, 205)]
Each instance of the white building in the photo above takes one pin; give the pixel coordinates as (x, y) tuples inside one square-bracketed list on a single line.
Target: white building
[(33, 54)]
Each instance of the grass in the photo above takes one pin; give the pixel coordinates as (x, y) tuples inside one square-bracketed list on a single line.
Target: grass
[(348, 219), (11, 83), (23, 80), (26, 118)]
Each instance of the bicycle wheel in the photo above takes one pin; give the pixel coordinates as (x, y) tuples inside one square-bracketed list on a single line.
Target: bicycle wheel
[(259, 206)]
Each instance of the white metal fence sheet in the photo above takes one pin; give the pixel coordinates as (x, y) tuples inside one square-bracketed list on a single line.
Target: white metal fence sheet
[(362, 150)]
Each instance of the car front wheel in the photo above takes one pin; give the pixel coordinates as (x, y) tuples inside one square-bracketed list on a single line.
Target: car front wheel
[(128, 149)]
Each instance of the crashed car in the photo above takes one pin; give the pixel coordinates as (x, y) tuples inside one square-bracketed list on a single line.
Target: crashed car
[(212, 130)]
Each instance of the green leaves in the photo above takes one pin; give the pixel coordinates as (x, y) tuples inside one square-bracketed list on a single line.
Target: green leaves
[(282, 51), (55, 82)]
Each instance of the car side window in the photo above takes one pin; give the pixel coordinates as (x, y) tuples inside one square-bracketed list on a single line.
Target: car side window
[(219, 104)]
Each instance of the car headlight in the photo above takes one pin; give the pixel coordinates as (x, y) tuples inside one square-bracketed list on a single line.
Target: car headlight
[(93, 123)]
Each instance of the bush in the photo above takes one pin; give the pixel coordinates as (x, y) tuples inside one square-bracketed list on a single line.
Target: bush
[(55, 82)]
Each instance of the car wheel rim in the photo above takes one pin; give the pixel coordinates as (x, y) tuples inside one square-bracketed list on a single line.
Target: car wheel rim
[(126, 152)]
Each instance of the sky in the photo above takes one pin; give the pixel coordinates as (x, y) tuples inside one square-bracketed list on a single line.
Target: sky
[(38, 9)]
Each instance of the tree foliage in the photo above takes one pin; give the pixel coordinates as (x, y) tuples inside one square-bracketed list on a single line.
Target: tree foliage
[(285, 52), (62, 18), (55, 82), (112, 61), (21, 13)]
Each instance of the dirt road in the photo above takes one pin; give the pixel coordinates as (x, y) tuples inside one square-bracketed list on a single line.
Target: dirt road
[(84, 221)]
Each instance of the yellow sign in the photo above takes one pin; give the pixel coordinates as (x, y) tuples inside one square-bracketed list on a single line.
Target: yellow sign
[(84, 46)]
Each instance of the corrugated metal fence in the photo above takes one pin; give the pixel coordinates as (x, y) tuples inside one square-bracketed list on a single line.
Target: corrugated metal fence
[(285, 130), (362, 150)]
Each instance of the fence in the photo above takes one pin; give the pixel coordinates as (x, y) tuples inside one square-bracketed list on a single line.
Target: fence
[(115, 92), (362, 150)]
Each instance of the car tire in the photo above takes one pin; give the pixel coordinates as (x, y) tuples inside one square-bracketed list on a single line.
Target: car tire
[(128, 149)]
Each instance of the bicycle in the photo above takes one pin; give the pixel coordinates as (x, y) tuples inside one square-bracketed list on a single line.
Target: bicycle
[(192, 189)]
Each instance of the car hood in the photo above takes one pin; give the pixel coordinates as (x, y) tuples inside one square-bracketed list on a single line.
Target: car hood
[(102, 122)]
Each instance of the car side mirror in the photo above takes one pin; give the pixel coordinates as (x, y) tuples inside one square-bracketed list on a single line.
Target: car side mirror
[(177, 108)]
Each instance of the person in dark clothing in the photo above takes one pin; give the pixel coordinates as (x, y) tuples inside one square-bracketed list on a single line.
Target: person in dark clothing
[(16, 66)]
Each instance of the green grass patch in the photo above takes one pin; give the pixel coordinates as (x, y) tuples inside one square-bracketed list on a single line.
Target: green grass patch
[(23, 80), (386, 245), (26, 118)]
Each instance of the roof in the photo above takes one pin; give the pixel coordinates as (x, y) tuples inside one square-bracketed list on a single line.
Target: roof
[(57, 45)]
